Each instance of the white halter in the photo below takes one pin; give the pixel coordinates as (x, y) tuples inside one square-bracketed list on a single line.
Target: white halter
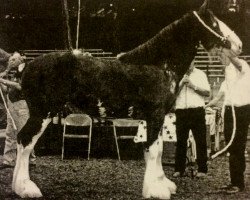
[(223, 39)]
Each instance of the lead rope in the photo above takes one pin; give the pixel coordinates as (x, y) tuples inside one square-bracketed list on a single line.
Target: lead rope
[(233, 133), (232, 105), (7, 109)]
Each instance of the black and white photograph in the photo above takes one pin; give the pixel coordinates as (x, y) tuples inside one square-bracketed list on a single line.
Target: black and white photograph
[(125, 99)]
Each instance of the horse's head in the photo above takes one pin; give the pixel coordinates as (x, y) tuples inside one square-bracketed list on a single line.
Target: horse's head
[(215, 32), (176, 43)]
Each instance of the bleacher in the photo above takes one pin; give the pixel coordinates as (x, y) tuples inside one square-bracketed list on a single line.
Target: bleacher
[(211, 65), (31, 54)]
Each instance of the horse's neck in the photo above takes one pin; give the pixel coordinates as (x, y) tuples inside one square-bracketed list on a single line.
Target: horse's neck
[(187, 44), (174, 44)]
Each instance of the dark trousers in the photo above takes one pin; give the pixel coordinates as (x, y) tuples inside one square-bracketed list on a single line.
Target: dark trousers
[(237, 163), (186, 120)]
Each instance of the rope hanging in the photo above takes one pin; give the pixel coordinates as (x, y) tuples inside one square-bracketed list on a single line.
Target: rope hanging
[(233, 133), (8, 111), (232, 105), (66, 12), (78, 23)]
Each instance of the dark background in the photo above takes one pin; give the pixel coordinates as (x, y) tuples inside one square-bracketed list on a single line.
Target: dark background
[(112, 25)]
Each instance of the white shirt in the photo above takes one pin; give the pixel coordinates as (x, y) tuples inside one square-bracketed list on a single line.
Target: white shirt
[(237, 85), (188, 98)]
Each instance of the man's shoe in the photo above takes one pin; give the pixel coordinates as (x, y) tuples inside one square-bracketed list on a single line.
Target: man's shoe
[(234, 189), (201, 175), (226, 187), (177, 174)]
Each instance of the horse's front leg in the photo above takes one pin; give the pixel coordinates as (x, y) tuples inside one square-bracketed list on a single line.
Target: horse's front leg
[(21, 183), (156, 184)]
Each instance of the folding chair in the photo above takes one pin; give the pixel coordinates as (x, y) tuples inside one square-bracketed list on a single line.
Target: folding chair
[(77, 120), (123, 123)]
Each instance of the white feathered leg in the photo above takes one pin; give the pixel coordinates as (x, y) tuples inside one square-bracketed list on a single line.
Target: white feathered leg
[(155, 184), (168, 183), (21, 183)]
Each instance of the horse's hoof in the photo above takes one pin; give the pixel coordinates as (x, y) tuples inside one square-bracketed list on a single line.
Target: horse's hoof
[(170, 185), (157, 190), (27, 189)]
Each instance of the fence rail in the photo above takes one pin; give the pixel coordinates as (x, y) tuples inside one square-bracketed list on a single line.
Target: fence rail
[(32, 54)]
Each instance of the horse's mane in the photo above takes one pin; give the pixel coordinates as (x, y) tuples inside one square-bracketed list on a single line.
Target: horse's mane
[(162, 46)]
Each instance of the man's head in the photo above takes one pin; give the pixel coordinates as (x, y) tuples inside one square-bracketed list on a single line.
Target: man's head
[(15, 60)]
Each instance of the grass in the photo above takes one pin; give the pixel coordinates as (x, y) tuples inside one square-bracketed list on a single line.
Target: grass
[(78, 179)]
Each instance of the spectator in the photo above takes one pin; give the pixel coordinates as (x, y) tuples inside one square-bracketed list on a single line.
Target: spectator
[(190, 115), (4, 57), (215, 107), (17, 107)]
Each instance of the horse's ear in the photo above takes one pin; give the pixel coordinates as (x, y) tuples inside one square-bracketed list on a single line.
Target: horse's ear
[(204, 6), (206, 10)]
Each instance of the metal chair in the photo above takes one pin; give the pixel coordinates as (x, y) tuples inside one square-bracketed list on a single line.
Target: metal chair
[(77, 120), (123, 123)]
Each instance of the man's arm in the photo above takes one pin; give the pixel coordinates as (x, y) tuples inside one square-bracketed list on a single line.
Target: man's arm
[(10, 84), (199, 89), (239, 64), (215, 100)]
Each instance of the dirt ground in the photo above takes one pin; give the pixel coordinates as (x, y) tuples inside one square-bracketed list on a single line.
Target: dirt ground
[(107, 179)]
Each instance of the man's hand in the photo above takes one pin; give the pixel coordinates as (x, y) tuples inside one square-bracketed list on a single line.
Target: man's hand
[(185, 80), (12, 84), (2, 80), (3, 74), (237, 62)]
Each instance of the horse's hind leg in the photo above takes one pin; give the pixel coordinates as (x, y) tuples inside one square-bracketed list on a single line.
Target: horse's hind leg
[(21, 183), (155, 183)]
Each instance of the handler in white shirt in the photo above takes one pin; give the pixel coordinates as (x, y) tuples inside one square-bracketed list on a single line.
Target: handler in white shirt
[(190, 115), (237, 93)]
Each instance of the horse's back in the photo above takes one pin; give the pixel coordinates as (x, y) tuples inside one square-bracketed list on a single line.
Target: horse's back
[(56, 78)]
